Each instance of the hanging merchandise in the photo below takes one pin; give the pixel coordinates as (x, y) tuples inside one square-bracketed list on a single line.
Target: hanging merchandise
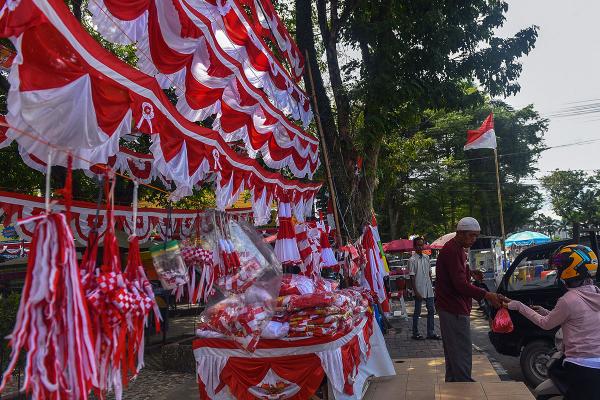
[(374, 269), (242, 298), (328, 259), (308, 240), (169, 264), (53, 326), (331, 220), (286, 247), (379, 243), (143, 300), (112, 304)]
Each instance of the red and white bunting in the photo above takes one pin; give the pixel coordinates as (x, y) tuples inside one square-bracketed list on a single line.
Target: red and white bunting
[(210, 39), (93, 93), (150, 221), (268, 25)]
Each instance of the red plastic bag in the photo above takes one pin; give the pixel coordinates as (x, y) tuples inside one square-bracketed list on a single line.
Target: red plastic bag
[(502, 322)]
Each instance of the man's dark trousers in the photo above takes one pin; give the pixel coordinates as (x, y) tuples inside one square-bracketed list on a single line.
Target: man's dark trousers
[(430, 314), (456, 336)]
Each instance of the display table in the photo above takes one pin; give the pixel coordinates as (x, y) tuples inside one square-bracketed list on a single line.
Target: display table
[(292, 368)]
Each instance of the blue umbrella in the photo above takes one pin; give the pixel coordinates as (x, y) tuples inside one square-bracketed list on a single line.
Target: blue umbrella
[(527, 238)]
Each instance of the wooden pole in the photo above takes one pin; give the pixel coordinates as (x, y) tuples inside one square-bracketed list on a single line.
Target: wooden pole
[(338, 227), (500, 204)]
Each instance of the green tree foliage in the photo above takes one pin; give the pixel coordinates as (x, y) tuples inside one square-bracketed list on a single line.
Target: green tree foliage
[(574, 196), (411, 56), (427, 182)]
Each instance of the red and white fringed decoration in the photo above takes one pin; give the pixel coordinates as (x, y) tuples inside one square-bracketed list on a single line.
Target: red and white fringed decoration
[(113, 306), (207, 278), (286, 247), (196, 257), (143, 302), (52, 324), (328, 259)]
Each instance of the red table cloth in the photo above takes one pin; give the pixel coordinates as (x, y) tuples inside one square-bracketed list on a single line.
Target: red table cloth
[(292, 368)]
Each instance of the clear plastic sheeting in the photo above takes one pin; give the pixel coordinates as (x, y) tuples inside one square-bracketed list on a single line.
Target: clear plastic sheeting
[(246, 279)]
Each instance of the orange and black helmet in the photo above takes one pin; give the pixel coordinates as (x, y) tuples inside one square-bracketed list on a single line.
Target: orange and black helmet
[(574, 262)]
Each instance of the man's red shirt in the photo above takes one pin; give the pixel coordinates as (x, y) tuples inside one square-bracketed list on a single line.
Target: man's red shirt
[(453, 289)]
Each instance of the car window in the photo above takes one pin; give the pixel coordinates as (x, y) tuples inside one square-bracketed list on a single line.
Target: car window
[(533, 272)]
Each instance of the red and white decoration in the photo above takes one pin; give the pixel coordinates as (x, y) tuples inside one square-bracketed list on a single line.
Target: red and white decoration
[(53, 326), (268, 24), (328, 259), (292, 368), (484, 137), (188, 33), (286, 247), (179, 46), (308, 239), (374, 270), (91, 91), (15, 206)]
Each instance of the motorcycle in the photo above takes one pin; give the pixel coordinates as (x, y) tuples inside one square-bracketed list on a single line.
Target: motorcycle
[(549, 389)]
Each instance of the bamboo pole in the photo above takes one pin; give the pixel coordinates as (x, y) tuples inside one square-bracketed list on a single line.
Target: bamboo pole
[(500, 204), (338, 227)]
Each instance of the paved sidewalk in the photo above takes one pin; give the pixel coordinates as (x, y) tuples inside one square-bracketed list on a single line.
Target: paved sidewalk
[(399, 340)]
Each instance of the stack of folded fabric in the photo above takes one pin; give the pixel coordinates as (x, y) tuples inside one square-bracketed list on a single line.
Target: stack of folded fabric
[(306, 308)]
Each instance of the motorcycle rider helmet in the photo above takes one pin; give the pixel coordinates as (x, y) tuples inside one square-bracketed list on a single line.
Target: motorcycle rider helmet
[(574, 262)]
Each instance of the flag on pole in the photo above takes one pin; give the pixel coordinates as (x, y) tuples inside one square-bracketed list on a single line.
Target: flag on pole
[(379, 244), (484, 137)]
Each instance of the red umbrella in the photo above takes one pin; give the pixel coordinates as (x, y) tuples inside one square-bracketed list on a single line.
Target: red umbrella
[(400, 246)]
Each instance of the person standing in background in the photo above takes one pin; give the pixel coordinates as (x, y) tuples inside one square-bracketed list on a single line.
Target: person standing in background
[(454, 297), (420, 276)]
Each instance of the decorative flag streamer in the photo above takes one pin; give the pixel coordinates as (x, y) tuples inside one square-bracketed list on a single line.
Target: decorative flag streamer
[(484, 137), (328, 259), (386, 267), (286, 247), (373, 272), (53, 326)]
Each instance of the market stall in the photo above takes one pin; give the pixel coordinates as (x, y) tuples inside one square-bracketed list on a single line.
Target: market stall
[(73, 104)]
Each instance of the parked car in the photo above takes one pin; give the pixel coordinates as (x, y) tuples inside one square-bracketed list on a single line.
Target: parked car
[(530, 280)]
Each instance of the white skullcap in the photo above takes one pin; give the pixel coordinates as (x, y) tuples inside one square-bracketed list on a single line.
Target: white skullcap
[(468, 224)]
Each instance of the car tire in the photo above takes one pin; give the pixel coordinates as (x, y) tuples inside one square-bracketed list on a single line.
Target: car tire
[(533, 360)]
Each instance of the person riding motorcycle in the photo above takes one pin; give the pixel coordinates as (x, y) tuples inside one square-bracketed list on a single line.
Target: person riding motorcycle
[(578, 313)]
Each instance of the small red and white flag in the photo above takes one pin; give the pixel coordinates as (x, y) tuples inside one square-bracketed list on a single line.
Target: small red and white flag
[(484, 137)]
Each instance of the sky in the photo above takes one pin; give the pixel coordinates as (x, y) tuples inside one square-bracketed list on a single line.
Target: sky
[(561, 72)]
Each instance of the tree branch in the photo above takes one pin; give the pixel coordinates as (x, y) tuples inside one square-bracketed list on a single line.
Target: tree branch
[(322, 18), (346, 12)]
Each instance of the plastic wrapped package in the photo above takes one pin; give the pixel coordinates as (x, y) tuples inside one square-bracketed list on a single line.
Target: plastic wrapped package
[(247, 280), (296, 284), (169, 265), (276, 330)]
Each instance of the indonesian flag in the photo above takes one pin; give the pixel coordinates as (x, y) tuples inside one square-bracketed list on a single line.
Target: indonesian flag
[(484, 137)]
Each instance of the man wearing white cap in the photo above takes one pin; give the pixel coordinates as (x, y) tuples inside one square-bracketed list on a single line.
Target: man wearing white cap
[(454, 294)]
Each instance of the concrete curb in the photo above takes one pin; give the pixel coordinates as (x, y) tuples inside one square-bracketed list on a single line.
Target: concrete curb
[(502, 373)]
